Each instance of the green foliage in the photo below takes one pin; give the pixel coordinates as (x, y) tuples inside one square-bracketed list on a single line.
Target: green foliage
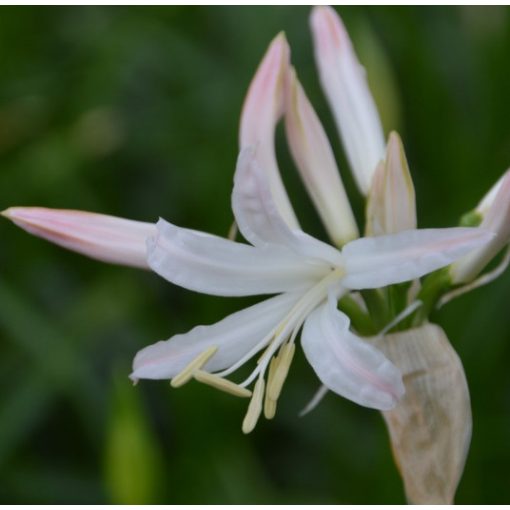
[(133, 465), (134, 112)]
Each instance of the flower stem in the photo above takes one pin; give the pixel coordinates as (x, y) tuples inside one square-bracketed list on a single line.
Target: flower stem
[(377, 305), (434, 286), (360, 320)]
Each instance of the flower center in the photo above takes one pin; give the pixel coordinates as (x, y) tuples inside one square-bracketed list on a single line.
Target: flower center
[(282, 339)]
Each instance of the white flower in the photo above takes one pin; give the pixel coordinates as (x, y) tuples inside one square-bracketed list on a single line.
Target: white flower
[(308, 276)]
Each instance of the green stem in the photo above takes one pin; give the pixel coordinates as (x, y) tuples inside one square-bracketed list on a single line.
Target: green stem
[(397, 299), (377, 305), (360, 320), (434, 286)]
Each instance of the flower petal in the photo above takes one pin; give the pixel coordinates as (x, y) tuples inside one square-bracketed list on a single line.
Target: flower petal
[(262, 109), (488, 199), (259, 220), (234, 336), (346, 364), (373, 262), (391, 204), (496, 219), (344, 83), (213, 265), (99, 236), (314, 158)]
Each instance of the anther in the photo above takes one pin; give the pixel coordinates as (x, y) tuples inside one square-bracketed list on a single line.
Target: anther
[(281, 370), (188, 371), (254, 407), (270, 404), (269, 408), (221, 384)]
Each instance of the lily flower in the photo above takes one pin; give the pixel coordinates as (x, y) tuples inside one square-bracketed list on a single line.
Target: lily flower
[(309, 277)]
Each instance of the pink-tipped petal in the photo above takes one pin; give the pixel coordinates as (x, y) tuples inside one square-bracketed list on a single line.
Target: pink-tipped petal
[(497, 220), (372, 262), (315, 161), (485, 204), (262, 109), (346, 364), (391, 204), (234, 336), (344, 82), (102, 237)]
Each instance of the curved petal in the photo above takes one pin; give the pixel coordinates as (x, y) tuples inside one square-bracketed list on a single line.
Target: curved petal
[(488, 199), (259, 220), (496, 219), (345, 85), (316, 163), (346, 364), (99, 236), (262, 109), (372, 262), (234, 336), (213, 265)]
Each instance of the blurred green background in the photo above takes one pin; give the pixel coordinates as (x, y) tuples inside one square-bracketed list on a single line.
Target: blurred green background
[(134, 112)]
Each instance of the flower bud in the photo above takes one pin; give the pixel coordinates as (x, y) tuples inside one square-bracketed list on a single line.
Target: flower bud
[(315, 161), (99, 236), (495, 211), (391, 203), (344, 82)]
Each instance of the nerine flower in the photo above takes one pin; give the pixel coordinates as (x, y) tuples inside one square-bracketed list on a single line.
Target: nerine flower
[(309, 275), (306, 276)]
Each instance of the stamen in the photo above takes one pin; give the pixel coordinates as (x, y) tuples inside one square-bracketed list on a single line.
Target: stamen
[(316, 400), (400, 317), (248, 356), (281, 370), (232, 231), (479, 282), (272, 367), (221, 384), (187, 372), (255, 407), (269, 408), (290, 324), (269, 404)]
